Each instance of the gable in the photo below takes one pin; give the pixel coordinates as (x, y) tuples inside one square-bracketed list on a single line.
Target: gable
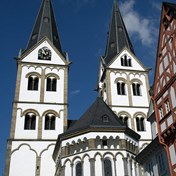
[(132, 62), (32, 56)]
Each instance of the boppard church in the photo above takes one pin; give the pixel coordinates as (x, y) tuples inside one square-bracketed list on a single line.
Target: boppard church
[(129, 129)]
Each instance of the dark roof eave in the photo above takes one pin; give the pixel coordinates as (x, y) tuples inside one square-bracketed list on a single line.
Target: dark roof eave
[(146, 152), (94, 128)]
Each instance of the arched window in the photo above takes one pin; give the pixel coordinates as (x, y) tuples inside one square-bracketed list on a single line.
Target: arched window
[(33, 82), (120, 88), (50, 121), (126, 61), (136, 89), (79, 169), (30, 121), (107, 167), (124, 119), (140, 123), (51, 83)]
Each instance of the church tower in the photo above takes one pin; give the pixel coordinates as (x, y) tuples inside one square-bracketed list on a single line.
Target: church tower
[(40, 103), (165, 83), (123, 79)]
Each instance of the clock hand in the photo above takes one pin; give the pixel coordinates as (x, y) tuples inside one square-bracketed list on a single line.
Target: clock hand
[(43, 51)]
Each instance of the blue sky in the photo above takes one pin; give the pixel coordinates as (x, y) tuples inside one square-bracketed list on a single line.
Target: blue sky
[(83, 27)]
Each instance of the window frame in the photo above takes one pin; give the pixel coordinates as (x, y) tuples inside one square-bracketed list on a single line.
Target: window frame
[(51, 84), (50, 122), (107, 167), (136, 88), (30, 121), (33, 83), (79, 169), (140, 126), (126, 61), (121, 88)]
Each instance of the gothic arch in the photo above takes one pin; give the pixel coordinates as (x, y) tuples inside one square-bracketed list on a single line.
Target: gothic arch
[(24, 144), (76, 157), (46, 149), (108, 153), (98, 154), (119, 153), (85, 156), (67, 160)]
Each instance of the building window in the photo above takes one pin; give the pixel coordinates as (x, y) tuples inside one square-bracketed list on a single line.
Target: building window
[(136, 89), (120, 88), (167, 106), (161, 164), (107, 167), (125, 61), (51, 84), (105, 118), (33, 82), (79, 169), (50, 121), (124, 119), (161, 112), (140, 124), (30, 121)]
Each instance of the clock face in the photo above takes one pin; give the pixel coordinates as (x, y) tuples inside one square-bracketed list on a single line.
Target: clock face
[(44, 54)]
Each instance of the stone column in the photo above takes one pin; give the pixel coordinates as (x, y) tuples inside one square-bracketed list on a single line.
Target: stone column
[(92, 166), (71, 165), (38, 161), (125, 166), (140, 170), (131, 168), (129, 90), (42, 87), (40, 124), (114, 159)]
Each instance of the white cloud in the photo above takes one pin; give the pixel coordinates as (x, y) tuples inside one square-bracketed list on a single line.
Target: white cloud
[(75, 92), (156, 5), (136, 24)]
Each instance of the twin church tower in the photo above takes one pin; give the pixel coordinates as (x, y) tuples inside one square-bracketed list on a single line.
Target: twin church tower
[(108, 135)]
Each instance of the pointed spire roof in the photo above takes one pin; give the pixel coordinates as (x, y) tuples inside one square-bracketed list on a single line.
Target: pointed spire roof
[(99, 117), (45, 26), (117, 37)]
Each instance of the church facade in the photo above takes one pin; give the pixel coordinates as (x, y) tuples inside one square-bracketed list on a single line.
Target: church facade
[(107, 137), (40, 104)]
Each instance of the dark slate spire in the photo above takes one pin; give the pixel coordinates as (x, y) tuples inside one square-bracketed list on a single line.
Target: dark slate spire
[(118, 37), (45, 26)]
